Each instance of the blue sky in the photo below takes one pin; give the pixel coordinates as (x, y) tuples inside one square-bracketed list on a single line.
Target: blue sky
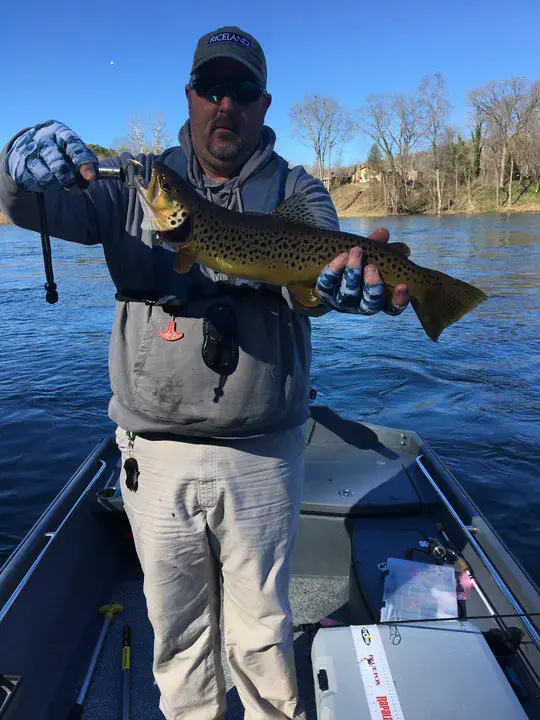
[(56, 57)]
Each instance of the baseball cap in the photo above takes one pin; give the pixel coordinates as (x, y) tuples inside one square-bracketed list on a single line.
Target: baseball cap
[(231, 42)]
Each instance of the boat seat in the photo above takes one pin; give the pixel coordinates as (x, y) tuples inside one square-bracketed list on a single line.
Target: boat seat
[(352, 469), (357, 470)]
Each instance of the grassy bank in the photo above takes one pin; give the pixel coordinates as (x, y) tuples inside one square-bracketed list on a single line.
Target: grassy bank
[(365, 201)]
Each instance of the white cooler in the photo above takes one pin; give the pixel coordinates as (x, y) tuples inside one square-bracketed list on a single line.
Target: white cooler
[(423, 671)]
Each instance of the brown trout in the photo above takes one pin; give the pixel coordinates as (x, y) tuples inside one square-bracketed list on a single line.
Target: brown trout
[(287, 248)]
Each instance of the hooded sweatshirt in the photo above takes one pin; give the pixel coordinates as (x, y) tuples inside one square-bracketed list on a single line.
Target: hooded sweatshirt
[(162, 386)]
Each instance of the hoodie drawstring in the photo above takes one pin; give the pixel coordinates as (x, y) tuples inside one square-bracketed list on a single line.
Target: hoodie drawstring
[(238, 195)]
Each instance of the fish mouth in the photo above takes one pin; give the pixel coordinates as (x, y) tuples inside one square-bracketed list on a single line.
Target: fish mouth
[(147, 193)]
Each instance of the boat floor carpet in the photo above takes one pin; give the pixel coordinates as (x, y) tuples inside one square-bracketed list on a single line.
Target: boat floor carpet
[(312, 598)]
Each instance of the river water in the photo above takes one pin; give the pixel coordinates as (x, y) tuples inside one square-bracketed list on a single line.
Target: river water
[(474, 395)]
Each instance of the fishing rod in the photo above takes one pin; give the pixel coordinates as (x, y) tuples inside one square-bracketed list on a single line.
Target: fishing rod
[(103, 173), (330, 623)]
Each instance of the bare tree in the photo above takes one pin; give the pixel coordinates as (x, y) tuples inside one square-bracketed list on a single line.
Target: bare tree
[(159, 141), (436, 107), (147, 138), (323, 125), (526, 151), (508, 108), (395, 123)]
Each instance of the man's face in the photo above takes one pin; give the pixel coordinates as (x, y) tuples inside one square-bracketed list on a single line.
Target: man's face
[(225, 133)]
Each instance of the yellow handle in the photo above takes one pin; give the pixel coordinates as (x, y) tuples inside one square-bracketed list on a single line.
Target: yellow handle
[(110, 610)]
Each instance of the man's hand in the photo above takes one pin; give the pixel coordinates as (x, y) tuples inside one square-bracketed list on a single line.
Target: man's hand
[(50, 155), (343, 285)]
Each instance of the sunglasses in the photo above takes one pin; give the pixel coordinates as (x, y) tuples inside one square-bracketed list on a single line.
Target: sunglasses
[(241, 91)]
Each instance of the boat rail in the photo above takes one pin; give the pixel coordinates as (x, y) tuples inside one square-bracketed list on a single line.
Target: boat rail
[(51, 537), (468, 532)]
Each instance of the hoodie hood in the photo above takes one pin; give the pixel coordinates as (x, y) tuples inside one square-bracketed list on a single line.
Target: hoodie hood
[(226, 194)]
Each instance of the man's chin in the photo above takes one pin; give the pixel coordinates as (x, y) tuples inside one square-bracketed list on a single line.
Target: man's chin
[(222, 150)]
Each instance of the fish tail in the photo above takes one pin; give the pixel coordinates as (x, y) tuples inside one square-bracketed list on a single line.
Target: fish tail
[(442, 300)]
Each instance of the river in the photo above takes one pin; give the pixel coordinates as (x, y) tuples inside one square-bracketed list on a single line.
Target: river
[(474, 395)]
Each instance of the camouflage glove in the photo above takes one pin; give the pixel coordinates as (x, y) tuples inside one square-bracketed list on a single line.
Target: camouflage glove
[(48, 156), (348, 292)]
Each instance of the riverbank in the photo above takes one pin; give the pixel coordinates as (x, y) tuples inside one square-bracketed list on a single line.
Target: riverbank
[(525, 208), (365, 201)]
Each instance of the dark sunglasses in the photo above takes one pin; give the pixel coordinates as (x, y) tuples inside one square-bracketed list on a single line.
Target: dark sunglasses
[(241, 91)]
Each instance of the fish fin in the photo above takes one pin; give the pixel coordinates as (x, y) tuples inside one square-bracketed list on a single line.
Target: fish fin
[(399, 248), (304, 295), (185, 257), (444, 302), (296, 209)]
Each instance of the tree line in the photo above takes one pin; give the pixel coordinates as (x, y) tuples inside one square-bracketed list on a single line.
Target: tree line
[(418, 161), (142, 137)]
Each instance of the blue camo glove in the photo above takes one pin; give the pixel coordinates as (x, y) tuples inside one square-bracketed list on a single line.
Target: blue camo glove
[(347, 292), (48, 156)]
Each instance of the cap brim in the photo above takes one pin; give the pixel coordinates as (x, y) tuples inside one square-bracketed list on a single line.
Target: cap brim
[(256, 74)]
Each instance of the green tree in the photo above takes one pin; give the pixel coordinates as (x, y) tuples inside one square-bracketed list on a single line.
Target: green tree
[(101, 151), (477, 142), (374, 160)]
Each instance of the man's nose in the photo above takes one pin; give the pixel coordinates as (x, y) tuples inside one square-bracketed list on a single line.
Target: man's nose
[(227, 104)]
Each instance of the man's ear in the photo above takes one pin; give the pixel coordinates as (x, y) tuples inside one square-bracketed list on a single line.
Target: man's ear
[(268, 100), (187, 91)]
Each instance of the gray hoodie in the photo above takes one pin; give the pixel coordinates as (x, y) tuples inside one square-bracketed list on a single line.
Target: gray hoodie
[(163, 386)]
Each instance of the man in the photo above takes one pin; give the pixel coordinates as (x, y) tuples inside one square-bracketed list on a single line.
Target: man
[(210, 382)]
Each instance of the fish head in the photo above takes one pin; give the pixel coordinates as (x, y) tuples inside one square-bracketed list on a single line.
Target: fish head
[(167, 202)]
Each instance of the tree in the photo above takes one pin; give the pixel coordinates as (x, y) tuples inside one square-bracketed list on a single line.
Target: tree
[(374, 160), (435, 106), (509, 108), (395, 123), (477, 138), (527, 157), (101, 151), (456, 155), (144, 137), (323, 125)]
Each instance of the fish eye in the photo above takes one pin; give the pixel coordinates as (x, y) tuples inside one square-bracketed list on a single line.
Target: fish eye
[(165, 184)]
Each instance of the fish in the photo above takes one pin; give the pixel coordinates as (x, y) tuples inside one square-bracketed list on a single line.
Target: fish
[(288, 248)]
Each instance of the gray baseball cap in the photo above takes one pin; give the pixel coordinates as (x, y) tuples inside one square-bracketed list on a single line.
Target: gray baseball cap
[(231, 42)]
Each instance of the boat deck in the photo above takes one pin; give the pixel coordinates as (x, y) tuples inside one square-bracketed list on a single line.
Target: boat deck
[(311, 600), (367, 497)]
